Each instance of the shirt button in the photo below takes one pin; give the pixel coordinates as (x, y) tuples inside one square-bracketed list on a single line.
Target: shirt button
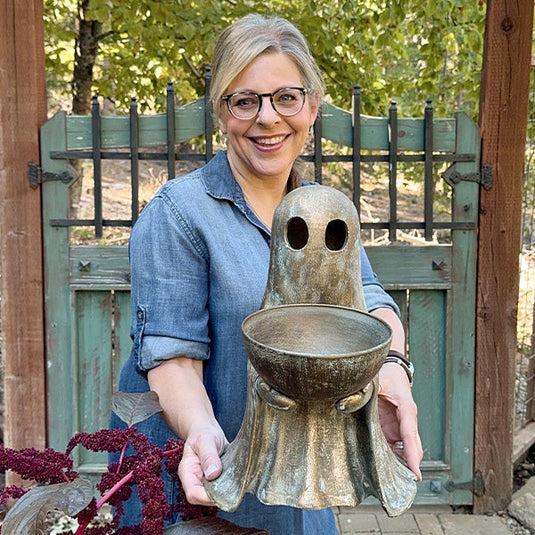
[(140, 314)]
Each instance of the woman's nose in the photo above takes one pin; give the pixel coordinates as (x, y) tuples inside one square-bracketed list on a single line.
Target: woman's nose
[(267, 114)]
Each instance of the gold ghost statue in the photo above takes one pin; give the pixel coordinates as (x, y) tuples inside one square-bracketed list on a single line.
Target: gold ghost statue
[(310, 436)]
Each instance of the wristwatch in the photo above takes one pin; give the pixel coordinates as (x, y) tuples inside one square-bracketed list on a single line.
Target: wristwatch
[(406, 364)]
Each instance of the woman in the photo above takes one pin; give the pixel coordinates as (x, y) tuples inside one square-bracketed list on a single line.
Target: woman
[(199, 260)]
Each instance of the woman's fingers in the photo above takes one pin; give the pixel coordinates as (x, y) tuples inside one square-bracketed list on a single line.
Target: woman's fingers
[(201, 459)]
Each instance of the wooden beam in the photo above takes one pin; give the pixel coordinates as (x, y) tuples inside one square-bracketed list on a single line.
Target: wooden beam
[(522, 442), (22, 112), (503, 122)]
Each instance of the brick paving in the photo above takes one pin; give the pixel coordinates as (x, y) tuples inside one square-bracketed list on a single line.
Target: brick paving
[(419, 520)]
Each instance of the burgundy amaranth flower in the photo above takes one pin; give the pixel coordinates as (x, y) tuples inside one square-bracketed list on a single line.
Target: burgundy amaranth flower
[(13, 492), (42, 466), (110, 440), (140, 464), (130, 530), (152, 495), (87, 514)]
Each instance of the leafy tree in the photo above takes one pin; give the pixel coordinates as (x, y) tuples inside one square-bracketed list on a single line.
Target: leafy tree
[(404, 50), (60, 31)]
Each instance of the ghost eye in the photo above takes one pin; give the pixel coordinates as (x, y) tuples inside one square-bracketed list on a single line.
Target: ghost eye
[(336, 235), (297, 233)]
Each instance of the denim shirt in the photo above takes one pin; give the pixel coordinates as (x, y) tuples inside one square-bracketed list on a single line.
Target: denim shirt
[(199, 261)]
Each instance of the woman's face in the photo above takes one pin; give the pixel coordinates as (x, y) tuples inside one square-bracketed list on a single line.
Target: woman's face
[(266, 146)]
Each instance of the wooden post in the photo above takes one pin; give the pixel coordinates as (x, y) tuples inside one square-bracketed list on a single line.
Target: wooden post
[(22, 112), (503, 121)]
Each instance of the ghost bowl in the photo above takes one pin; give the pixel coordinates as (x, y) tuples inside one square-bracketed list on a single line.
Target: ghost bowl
[(315, 352)]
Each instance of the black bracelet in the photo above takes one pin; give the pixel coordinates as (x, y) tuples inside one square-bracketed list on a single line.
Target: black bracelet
[(397, 358), (394, 353)]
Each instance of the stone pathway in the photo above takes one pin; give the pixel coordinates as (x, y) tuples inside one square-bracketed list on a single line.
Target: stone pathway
[(423, 520), (440, 520)]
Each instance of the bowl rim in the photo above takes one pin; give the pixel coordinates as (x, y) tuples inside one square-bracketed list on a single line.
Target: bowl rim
[(388, 341)]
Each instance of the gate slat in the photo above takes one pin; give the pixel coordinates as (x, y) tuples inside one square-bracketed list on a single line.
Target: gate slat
[(93, 312), (57, 292), (190, 123), (427, 348), (99, 266), (400, 297), (122, 340), (462, 322), (403, 266)]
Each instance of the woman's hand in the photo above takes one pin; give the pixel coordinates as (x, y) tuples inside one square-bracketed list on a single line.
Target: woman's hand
[(398, 415), (201, 459), (188, 412)]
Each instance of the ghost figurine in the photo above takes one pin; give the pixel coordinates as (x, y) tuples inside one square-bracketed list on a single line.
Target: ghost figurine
[(310, 436)]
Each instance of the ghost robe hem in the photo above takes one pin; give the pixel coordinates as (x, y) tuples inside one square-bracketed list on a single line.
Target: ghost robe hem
[(284, 471)]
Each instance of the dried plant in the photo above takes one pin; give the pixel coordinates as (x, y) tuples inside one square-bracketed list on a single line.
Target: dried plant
[(60, 487)]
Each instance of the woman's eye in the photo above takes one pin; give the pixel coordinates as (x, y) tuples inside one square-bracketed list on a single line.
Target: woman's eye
[(245, 102), (286, 97)]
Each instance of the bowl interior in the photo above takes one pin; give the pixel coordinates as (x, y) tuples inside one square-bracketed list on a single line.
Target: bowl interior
[(316, 331)]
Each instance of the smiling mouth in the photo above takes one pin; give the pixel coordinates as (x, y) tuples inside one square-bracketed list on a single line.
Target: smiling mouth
[(270, 141)]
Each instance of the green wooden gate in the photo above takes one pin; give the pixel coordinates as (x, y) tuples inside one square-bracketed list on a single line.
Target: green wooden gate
[(87, 286)]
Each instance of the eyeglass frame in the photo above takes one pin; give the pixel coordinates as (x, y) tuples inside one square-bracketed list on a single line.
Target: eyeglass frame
[(304, 92)]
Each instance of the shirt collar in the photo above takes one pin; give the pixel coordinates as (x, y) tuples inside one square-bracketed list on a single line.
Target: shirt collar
[(220, 182)]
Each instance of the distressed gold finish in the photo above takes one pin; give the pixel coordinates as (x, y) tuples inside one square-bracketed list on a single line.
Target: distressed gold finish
[(315, 352), (310, 436)]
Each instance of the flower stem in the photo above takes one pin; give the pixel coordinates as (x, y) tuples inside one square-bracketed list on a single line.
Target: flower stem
[(106, 496), (170, 452), (81, 528), (123, 451), (117, 485)]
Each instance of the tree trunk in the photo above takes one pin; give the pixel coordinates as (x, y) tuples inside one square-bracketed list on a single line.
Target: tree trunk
[(85, 56)]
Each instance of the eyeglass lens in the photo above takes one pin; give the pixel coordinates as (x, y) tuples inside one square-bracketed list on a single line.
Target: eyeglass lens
[(286, 101)]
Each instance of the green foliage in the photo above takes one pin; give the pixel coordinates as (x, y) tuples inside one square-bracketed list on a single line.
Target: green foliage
[(154, 42), (59, 19), (132, 408), (407, 51)]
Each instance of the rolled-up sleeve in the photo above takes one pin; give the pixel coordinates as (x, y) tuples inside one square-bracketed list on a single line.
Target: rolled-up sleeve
[(169, 287), (374, 293)]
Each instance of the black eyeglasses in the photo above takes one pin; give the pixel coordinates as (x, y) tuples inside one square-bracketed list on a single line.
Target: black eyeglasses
[(245, 105)]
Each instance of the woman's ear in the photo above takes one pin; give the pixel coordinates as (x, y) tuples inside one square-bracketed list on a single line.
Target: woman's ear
[(314, 107), (222, 123)]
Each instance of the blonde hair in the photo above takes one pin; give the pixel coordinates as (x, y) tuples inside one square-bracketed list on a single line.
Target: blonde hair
[(249, 37)]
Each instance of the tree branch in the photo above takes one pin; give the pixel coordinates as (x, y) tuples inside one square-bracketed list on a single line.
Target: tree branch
[(193, 69), (103, 36)]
